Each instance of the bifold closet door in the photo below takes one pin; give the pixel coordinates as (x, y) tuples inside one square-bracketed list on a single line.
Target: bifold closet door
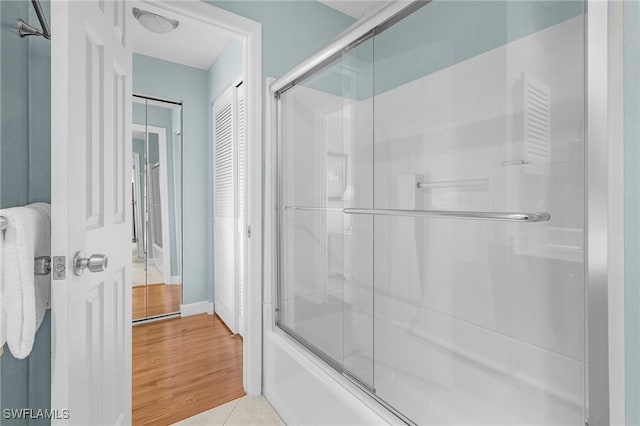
[(224, 210), (230, 229), (479, 107)]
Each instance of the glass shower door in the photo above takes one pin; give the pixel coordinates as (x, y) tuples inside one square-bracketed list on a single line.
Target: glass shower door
[(479, 107), (326, 271), (431, 213)]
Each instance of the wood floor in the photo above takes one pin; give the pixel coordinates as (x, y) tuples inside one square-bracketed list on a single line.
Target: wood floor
[(182, 367), (155, 299)]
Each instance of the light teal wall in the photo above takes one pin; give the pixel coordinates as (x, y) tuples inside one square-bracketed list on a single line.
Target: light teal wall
[(226, 69), (39, 113), (25, 174), (14, 148), (632, 208), (155, 77)]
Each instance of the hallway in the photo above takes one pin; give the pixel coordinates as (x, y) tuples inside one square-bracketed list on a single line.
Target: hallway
[(182, 367)]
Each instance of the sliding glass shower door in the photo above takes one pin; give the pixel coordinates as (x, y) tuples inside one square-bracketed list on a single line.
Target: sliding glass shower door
[(431, 225)]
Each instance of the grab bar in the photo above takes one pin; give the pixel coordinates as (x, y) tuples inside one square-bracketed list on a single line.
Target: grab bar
[(41, 264), (511, 217)]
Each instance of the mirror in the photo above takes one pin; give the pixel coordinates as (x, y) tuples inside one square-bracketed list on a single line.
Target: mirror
[(156, 188)]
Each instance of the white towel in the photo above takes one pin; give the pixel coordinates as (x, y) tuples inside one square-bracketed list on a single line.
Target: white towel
[(43, 248), (26, 296)]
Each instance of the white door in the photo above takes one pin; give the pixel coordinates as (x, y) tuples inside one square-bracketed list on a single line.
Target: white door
[(91, 184), (224, 211)]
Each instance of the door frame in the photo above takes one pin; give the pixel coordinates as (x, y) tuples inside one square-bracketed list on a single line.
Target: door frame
[(250, 33), (164, 193)]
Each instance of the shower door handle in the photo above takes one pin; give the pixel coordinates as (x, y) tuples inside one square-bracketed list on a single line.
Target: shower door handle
[(459, 214)]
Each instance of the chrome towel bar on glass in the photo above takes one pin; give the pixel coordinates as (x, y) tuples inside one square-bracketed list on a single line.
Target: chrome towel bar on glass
[(315, 209), (511, 217), (458, 214), (41, 264)]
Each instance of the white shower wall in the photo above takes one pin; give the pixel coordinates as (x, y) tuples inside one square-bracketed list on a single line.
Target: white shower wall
[(478, 314), (450, 321)]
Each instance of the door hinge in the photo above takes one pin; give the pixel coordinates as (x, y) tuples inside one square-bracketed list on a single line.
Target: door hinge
[(59, 268), (249, 231)]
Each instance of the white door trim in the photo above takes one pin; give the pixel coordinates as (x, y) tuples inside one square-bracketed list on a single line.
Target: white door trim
[(164, 193), (250, 32), (616, 237)]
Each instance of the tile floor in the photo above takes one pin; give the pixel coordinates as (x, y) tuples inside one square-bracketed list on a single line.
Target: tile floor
[(245, 411), (141, 277)]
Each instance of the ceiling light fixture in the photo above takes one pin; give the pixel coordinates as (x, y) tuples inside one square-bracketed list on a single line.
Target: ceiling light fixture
[(153, 22)]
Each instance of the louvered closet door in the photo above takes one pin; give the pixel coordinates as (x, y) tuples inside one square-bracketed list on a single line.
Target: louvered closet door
[(224, 210)]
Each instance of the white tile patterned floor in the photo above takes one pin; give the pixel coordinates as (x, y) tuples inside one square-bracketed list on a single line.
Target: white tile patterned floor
[(245, 411), (141, 277)]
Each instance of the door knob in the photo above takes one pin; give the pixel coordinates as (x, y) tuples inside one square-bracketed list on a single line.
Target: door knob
[(95, 263)]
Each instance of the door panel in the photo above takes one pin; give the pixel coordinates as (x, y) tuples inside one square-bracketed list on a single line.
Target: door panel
[(119, 127), (91, 65)]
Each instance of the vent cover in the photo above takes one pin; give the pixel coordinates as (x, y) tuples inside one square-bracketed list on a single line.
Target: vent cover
[(537, 125)]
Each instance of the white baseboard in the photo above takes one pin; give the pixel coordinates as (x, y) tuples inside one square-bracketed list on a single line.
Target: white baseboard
[(196, 308), (176, 279)]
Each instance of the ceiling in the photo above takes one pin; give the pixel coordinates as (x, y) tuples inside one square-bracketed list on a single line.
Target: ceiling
[(193, 43), (357, 8), (197, 45)]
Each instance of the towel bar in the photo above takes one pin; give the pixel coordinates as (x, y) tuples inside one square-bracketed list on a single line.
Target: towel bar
[(25, 29), (41, 264)]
